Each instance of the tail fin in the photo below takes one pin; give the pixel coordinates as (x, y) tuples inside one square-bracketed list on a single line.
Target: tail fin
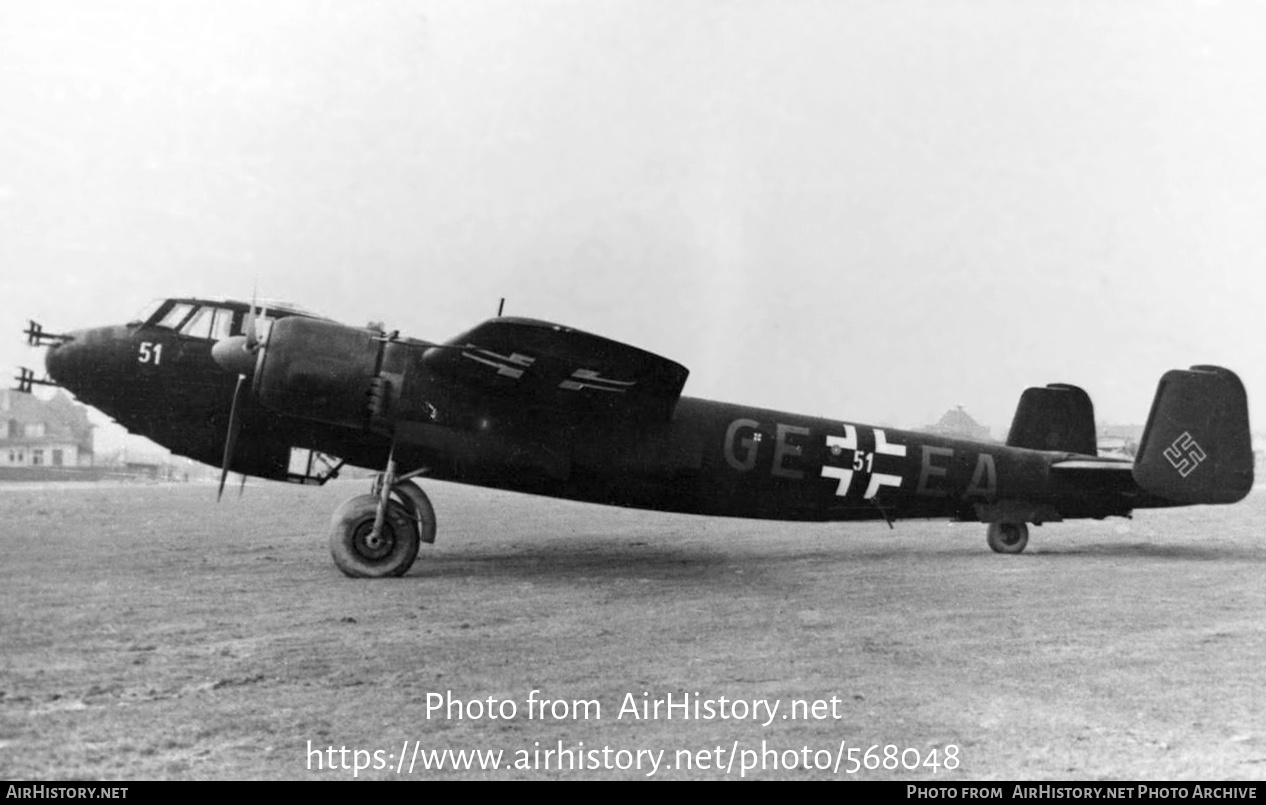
[(1058, 417), (1196, 447)]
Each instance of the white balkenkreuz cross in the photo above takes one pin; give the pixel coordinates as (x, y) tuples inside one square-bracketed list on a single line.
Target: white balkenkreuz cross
[(861, 461)]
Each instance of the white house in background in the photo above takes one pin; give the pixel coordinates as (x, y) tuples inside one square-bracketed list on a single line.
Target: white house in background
[(43, 433)]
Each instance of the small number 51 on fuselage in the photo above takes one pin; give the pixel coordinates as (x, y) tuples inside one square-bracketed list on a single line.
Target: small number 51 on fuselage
[(278, 392)]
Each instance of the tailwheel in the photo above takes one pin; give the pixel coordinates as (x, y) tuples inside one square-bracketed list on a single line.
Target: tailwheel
[(1008, 537), (361, 551)]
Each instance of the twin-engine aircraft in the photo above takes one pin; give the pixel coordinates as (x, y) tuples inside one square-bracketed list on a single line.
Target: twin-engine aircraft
[(535, 407)]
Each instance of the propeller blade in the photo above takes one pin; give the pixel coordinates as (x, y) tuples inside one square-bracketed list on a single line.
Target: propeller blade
[(263, 314), (230, 441), (251, 325), (248, 328)]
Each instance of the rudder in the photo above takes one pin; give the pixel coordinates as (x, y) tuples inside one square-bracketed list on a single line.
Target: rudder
[(1197, 447)]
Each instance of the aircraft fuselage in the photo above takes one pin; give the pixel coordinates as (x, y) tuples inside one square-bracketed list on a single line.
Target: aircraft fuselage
[(730, 460), (709, 458)]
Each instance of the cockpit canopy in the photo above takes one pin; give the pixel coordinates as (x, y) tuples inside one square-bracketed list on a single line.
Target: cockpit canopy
[(211, 319)]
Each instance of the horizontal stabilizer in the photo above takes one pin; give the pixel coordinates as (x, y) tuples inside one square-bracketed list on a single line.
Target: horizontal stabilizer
[(1197, 447), (1057, 417)]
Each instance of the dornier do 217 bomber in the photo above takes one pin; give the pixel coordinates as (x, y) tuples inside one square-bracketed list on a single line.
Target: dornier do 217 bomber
[(278, 392)]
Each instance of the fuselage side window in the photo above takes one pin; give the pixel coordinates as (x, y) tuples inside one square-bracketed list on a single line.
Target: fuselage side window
[(209, 322), (147, 312), (223, 325), (199, 325), (175, 316), (262, 324)]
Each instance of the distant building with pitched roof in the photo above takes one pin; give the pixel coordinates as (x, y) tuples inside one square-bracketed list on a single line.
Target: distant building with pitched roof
[(958, 423), (43, 433), (1119, 441)]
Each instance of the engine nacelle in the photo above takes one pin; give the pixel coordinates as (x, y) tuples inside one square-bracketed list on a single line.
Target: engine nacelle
[(319, 370)]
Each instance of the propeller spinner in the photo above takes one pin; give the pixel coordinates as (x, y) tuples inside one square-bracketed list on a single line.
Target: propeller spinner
[(238, 354)]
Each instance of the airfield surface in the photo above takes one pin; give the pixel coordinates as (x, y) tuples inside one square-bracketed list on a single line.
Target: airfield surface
[(146, 632)]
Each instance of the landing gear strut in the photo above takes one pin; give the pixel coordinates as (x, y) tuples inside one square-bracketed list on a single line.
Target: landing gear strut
[(1008, 537), (378, 535)]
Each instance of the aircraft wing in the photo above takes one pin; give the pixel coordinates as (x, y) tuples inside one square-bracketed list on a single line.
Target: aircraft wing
[(543, 367)]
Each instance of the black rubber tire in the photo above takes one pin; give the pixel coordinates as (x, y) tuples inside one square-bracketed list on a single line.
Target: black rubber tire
[(1008, 537), (351, 527)]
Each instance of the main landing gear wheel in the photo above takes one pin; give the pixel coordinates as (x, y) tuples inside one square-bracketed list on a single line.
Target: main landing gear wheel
[(418, 505), (1008, 537), (359, 554)]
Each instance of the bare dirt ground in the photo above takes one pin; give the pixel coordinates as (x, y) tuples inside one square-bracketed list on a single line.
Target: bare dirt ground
[(146, 632)]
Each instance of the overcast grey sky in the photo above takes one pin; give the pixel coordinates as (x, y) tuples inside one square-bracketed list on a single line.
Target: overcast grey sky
[(870, 210)]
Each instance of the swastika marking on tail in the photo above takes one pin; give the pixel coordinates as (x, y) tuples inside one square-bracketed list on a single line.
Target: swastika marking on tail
[(1185, 454)]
